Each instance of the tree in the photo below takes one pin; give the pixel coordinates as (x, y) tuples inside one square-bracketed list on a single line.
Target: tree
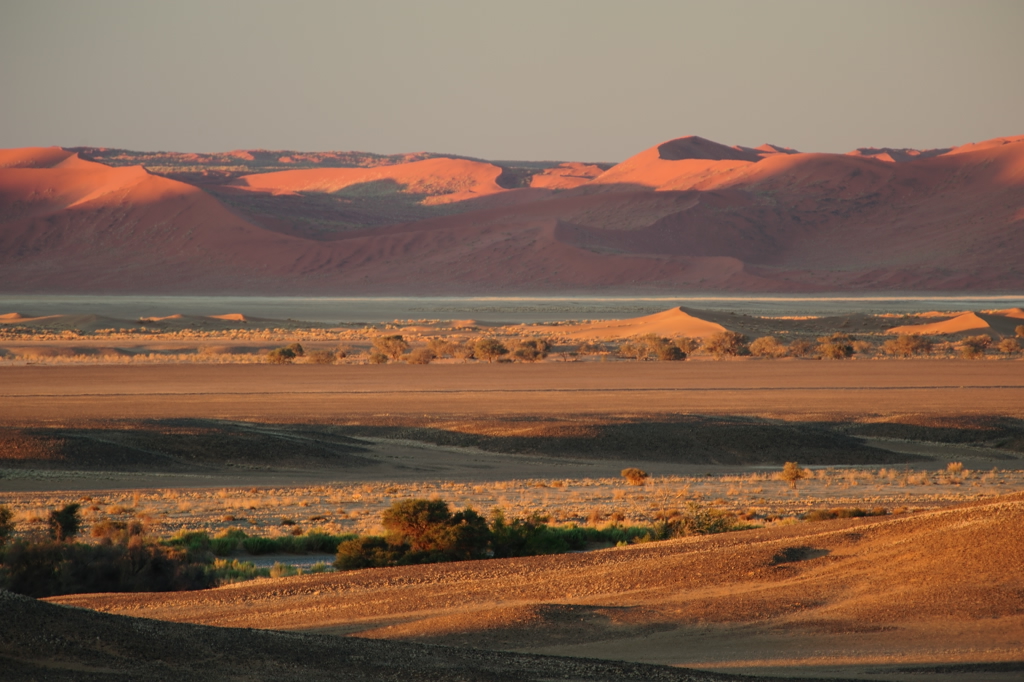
[(635, 476), (1019, 330), (6, 524), (792, 472), (297, 349), (489, 349), (433, 533), (836, 347), (767, 347), (907, 345), (974, 347), (65, 523), (441, 347), (391, 346), (726, 344)]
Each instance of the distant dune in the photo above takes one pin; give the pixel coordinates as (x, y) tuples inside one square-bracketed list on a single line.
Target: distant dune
[(686, 215), (1000, 324)]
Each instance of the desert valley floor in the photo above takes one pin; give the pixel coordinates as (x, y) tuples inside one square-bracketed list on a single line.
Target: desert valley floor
[(930, 591)]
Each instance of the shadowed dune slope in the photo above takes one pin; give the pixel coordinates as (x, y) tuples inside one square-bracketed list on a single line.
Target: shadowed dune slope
[(685, 215), (942, 586), (40, 641)]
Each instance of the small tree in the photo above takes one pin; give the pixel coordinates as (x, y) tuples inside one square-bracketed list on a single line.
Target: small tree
[(392, 346), (635, 476), (378, 358), (793, 473), (726, 344), (64, 523), (489, 349), (767, 347), (297, 349), (1019, 330), (974, 347), (687, 345), (6, 524), (441, 347)]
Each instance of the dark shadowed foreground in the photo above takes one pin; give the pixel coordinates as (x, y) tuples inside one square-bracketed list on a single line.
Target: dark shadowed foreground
[(40, 641)]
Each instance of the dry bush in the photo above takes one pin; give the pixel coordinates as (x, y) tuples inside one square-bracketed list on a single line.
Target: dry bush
[(907, 345), (792, 473), (974, 347), (767, 347), (835, 347), (800, 348), (393, 346), (322, 357), (1009, 346), (420, 356), (635, 476), (726, 344)]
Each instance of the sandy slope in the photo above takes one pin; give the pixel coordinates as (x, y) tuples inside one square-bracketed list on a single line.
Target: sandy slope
[(998, 324), (39, 641), (847, 596)]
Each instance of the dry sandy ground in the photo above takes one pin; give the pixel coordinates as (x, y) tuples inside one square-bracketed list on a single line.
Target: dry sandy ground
[(783, 388), (867, 599)]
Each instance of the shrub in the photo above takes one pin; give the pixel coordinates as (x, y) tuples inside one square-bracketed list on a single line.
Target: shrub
[(726, 344), (530, 350), (280, 356), (51, 568), (974, 347), (65, 523), (836, 347), (687, 345), (1019, 330), (368, 552), (1009, 346), (793, 473), (377, 358), (6, 525), (489, 349), (635, 476), (767, 347), (297, 349), (442, 348), (322, 357), (907, 345), (800, 348), (420, 356), (391, 346)]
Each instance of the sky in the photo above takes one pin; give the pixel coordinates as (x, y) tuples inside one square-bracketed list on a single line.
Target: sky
[(552, 80)]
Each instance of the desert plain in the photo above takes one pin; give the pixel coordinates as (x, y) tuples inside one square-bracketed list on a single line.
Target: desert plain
[(929, 589)]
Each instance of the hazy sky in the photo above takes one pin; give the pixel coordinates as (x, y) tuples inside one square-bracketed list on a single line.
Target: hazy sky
[(583, 80)]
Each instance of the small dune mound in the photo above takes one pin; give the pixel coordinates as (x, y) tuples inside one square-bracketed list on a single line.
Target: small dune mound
[(674, 322), (13, 317), (1002, 323)]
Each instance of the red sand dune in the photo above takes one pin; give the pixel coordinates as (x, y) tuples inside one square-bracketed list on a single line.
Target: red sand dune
[(1000, 324), (671, 323), (686, 215), (441, 180)]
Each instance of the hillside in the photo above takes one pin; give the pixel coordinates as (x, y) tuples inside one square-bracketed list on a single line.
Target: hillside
[(838, 597), (685, 215)]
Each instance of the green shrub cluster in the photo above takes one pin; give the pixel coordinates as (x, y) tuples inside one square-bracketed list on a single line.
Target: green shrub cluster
[(235, 540), (427, 531)]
